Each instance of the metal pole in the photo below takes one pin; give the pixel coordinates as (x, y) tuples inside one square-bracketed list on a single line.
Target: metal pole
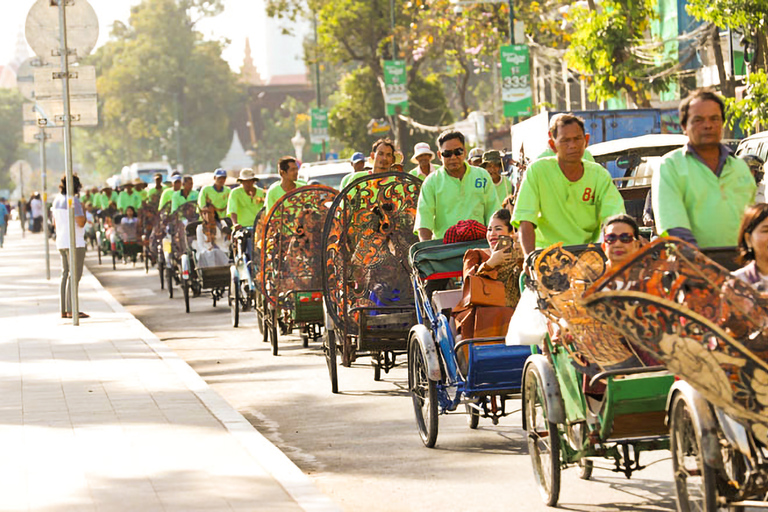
[(318, 90), (23, 204), (43, 175), (392, 25), (177, 127), (68, 158), (511, 23)]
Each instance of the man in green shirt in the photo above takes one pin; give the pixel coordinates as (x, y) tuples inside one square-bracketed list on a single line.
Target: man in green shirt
[(564, 198), (158, 188), (108, 196), (422, 156), (216, 195), (289, 180), (245, 201), (185, 195), (167, 194), (493, 165), (456, 191), (701, 190), (128, 197)]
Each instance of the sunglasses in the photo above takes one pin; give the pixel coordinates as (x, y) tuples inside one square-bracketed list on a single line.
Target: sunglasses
[(448, 153), (624, 238)]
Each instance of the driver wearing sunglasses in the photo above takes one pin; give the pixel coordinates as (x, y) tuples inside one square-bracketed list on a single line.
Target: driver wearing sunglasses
[(621, 238)]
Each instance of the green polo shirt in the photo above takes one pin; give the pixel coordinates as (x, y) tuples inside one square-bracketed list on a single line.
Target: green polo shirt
[(106, 199), (503, 189), (245, 206), (549, 152), (166, 197), (218, 199), (177, 199), (687, 194), (124, 200), (151, 191), (275, 192), (445, 200), (566, 211), (349, 178)]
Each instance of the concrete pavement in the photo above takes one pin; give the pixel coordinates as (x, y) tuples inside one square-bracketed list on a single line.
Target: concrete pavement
[(104, 416)]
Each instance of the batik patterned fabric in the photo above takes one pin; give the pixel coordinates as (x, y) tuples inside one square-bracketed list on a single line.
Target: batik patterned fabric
[(707, 326)]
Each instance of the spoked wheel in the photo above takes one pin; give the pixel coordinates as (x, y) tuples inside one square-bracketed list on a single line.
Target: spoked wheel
[(169, 281), (185, 288), (585, 468), (234, 302), (473, 415), (161, 270), (694, 478), (330, 359), (543, 439), (424, 395), (273, 330)]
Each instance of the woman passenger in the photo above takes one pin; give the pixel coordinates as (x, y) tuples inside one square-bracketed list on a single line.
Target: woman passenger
[(753, 247), (621, 238)]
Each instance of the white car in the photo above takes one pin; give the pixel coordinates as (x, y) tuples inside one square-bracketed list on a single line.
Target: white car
[(329, 173)]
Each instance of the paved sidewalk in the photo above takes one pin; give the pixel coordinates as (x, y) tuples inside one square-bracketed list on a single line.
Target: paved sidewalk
[(105, 416)]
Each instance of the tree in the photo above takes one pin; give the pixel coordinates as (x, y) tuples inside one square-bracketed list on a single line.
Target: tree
[(156, 76), (282, 125), (10, 132), (607, 46)]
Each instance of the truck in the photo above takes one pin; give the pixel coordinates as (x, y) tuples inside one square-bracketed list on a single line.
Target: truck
[(145, 171), (530, 136)]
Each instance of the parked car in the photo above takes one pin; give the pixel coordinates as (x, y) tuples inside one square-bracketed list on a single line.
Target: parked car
[(328, 173), (756, 145)]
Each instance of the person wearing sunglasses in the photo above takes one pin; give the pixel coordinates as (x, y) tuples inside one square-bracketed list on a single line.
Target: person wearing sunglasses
[(454, 192), (621, 238), (564, 198)]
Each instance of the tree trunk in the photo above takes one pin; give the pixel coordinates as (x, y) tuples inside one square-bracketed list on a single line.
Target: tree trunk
[(727, 87)]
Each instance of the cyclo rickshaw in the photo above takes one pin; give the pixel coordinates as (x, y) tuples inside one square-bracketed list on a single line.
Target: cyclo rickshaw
[(366, 277), (157, 239), (125, 241), (181, 230), (590, 394), (246, 259), (291, 260), (103, 223), (205, 270), (482, 373), (148, 219), (709, 328)]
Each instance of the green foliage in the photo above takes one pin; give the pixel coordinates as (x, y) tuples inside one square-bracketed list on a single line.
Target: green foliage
[(153, 70), (604, 48), (10, 132), (281, 127), (753, 109)]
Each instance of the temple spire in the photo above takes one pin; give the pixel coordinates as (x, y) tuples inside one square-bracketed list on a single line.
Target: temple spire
[(248, 72)]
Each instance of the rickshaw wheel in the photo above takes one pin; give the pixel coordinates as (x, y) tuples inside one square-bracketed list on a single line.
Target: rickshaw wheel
[(146, 260), (169, 281), (424, 395), (330, 359), (234, 302), (543, 439), (473, 416), (273, 331), (585, 468), (694, 478), (185, 289), (98, 251), (161, 270)]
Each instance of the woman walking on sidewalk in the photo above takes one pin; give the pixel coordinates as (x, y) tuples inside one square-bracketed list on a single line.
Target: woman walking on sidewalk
[(61, 222)]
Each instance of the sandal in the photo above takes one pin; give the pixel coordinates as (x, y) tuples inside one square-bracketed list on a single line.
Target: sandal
[(80, 315)]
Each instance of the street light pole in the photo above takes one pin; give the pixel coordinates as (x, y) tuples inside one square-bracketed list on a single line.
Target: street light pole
[(42, 136), (318, 90), (511, 22)]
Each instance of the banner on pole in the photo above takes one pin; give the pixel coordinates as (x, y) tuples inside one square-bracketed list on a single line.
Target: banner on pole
[(318, 129), (395, 86), (515, 80)]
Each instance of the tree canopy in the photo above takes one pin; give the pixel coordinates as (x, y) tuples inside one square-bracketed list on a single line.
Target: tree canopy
[(10, 132)]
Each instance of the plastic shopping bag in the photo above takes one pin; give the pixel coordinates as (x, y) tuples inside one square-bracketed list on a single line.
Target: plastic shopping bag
[(528, 326)]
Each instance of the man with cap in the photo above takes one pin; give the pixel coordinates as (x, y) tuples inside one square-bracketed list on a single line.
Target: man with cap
[(108, 196), (289, 180), (185, 195), (128, 197), (475, 157), (245, 201), (422, 156), (493, 164), (358, 162), (159, 188), (216, 195), (167, 194)]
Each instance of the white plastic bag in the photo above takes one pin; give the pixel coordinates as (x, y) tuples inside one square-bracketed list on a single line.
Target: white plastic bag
[(527, 326)]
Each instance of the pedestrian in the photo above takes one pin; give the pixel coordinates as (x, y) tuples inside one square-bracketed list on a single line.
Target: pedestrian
[(422, 157), (564, 198), (700, 191), (61, 223), (36, 210), (4, 216)]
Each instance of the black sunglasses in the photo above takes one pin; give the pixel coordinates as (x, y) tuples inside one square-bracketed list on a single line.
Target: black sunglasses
[(448, 153), (624, 238)]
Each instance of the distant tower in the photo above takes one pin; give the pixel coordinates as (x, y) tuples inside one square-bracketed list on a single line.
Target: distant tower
[(248, 73), (22, 51)]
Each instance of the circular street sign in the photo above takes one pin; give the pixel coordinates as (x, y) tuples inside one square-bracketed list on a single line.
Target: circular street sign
[(25, 77), (42, 30)]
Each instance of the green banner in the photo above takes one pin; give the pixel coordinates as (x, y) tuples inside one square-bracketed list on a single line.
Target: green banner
[(515, 80), (318, 129), (395, 86)]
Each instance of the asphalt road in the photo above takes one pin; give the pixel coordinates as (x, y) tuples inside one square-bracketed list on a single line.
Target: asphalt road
[(361, 446)]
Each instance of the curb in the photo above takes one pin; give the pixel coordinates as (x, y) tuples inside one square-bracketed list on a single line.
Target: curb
[(295, 483)]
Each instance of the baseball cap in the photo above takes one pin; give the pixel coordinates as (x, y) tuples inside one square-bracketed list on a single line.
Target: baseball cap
[(475, 153), (175, 177), (357, 157), (219, 173)]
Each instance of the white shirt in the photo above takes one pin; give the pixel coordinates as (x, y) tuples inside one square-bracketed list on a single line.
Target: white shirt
[(61, 221), (36, 206)]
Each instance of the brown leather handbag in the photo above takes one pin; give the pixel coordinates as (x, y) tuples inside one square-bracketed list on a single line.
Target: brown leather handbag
[(481, 291)]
